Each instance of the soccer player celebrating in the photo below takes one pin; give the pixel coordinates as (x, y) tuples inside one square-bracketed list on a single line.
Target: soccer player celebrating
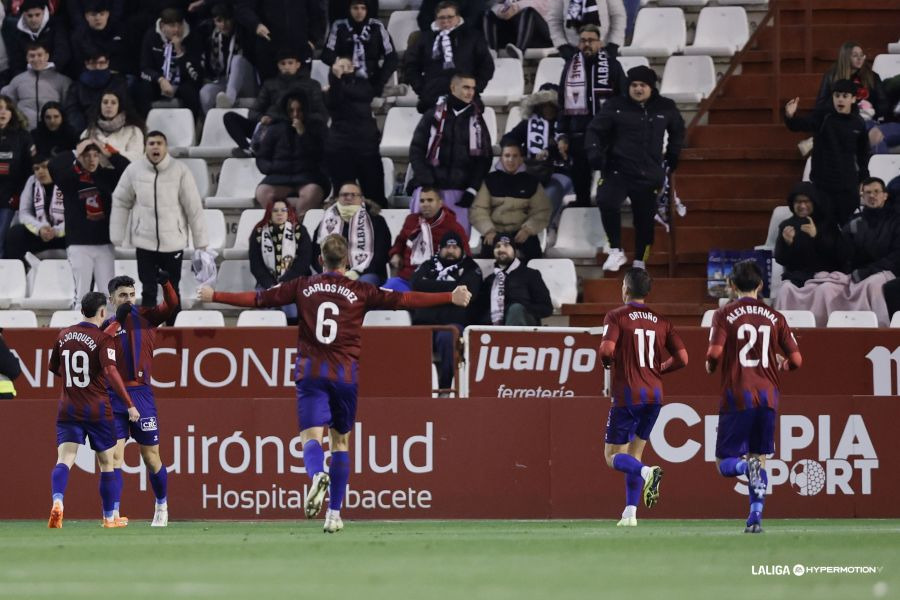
[(331, 308), (632, 346), (82, 355), (742, 338), (135, 343)]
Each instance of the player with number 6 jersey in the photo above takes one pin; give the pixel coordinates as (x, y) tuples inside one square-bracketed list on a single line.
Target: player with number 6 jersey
[(331, 308), (632, 346), (82, 356), (743, 338)]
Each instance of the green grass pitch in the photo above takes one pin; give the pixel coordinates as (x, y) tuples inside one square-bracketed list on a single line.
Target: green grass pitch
[(447, 559)]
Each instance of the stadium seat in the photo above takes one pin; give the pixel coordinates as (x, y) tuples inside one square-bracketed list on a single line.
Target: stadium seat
[(894, 47), (885, 166), (214, 140), (400, 25), (475, 242), (560, 277), (237, 184), (512, 119), (688, 78), (65, 318), (629, 62), (17, 319), (886, 65), (490, 119), (199, 318), (129, 267), (486, 265), (745, 2), (549, 70), (681, 2), (895, 320), (580, 234), (397, 134), (389, 176), (320, 73), (187, 287), (177, 124), (311, 220), (393, 5), (214, 219), (262, 318), (539, 53), (778, 215), (200, 170), (54, 286), (249, 218), (706, 321), (852, 318), (507, 85), (721, 31), (799, 318), (235, 276), (807, 168), (387, 318), (395, 218), (15, 284), (657, 32)]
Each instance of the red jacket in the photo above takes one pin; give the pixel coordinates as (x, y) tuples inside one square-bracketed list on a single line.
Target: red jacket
[(444, 221)]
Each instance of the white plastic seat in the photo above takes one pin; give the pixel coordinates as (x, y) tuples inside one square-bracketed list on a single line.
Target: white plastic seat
[(399, 126), (657, 32), (778, 215), (630, 62), (549, 70), (807, 168), (235, 276), (188, 286), (214, 140), (389, 174), (885, 166), (393, 5), (387, 318), (214, 221), (15, 284), (721, 31), (311, 221), (54, 286), (262, 318), (400, 25), (200, 170), (486, 265), (799, 318), (249, 218), (681, 2), (539, 53), (560, 278), (490, 119), (852, 318), (894, 47), (744, 2), (688, 78), (513, 118), (199, 318), (65, 318), (475, 241), (707, 319), (237, 184), (17, 319), (129, 267), (895, 320), (178, 126), (507, 85), (886, 65), (319, 72), (580, 234), (395, 218)]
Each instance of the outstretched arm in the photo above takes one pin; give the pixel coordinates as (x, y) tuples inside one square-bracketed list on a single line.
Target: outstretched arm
[(679, 360)]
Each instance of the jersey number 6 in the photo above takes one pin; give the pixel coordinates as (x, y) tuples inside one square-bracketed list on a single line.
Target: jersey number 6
[(326, 328)]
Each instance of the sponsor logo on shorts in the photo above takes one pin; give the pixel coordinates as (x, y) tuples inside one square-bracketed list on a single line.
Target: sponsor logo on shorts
[(148, 424)]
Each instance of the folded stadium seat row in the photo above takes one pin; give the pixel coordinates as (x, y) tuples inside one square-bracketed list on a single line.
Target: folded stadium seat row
[(886, 65), (215, 230)]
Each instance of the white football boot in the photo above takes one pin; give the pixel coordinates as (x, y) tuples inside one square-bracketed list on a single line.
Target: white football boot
[(333, 522), (160, 516)]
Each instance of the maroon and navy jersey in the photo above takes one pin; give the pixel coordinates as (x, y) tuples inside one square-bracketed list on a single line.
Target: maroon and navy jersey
[(79, 356), (639, 334), (330, 308), (749, 331)]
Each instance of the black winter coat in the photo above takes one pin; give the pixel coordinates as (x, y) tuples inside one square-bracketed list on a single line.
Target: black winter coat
[(82, 99), (85, 41), (54, 35), (299, 268), (190, 63), (523, 286), (425, 280), (273, 90), (807, 255), (281, 151), (574, 125), (870, 243), (378, 47), (840, 156), (627, 138), (876, 94), (15, 162), (352, 123), (292, 23)]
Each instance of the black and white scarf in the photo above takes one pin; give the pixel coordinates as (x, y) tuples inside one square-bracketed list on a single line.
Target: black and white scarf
[(498, 291), (585, 92), (582, 12), (436, 136), (219, 57), (359, 50), (278, 248), (361, 234), (170, 68), (538, 135), (56, 214), (443, 45)]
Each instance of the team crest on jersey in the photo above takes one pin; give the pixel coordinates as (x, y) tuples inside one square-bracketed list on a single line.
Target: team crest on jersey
[(111, 353), (148, 424)]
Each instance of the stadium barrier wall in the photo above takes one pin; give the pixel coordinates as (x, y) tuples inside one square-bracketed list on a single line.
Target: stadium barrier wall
[(241, 458)]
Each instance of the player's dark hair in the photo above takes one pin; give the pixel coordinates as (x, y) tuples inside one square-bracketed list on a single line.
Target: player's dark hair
[(746, 276), (638, 282), (91, 303), (871, 180), (334, 251), (156, 133), (119, 281)]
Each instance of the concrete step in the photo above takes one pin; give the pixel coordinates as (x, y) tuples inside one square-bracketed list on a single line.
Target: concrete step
[(590, 314), (664, 289), (741, 185)]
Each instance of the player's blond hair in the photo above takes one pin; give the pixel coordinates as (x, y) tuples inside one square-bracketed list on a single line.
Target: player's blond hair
[(334, 251)]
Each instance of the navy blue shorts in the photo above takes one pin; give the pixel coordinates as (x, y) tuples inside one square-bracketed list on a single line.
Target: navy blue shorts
[(322, 402), (625, 422), (100, 434), (146, 430), (751, 430)]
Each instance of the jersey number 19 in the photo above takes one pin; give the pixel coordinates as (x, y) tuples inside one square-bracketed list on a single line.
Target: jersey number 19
[(77, 367)]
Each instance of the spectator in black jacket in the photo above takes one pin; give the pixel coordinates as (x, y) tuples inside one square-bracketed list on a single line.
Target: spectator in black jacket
[(41, 223), (171, 64), (451, 149), (625, 142), (589, 79), (448, 268), (10, 369), (85, 92), (289, 153), (851, 65), (442, 50), (807, 241), (513, 294), (294, 25), (358, 221), (87, 189), (366, 43), (15, 161), (77, 10), (53, 133), (471, 12), (229, 74), (840, 156), (352, 153), (35, 24), (94, 33)]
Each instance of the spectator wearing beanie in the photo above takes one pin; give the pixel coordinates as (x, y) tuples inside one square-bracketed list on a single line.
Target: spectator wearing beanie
[(807, 241), (84, 94), (229, 74), (36, 25), (53, 133), (95, 32), (292, 25), (77, 10), (625, 143), (41, 83), (41, 216), (114, 123), (15, 160)]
